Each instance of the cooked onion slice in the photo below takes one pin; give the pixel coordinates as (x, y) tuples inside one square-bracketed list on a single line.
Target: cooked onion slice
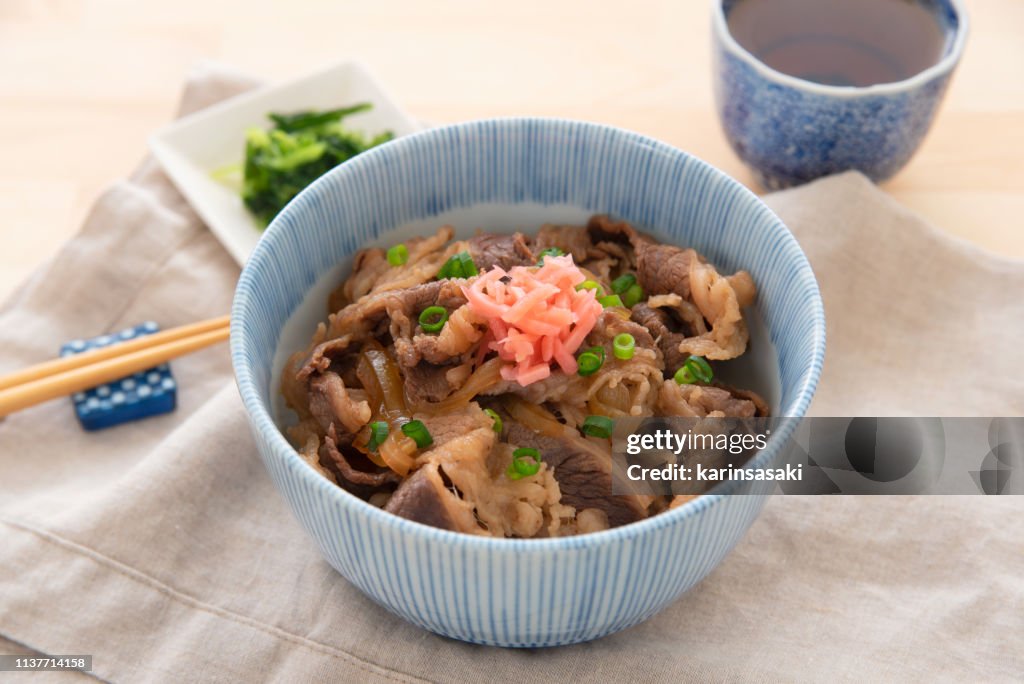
[(534, 417), (398, 451), (485, 376)]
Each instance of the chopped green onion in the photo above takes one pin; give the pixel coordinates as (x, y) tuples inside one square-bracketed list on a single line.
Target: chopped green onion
[(418, 432), (448, 270), (550, 251), (598, 426), (496, 418), (525, 462), (694, 369), (398, 254), (378, 433), (592, 285), (623, 283), (632, 296), (433, 318), (590, 361), (623, 346), (458, 266), (610, 300), (468, 267), (700, 368), (451, 269)]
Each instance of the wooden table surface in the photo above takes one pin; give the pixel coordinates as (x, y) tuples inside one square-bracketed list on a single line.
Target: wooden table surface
[(84, 82)]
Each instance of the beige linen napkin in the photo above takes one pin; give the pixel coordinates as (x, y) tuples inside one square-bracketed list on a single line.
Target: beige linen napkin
[(162, 549)]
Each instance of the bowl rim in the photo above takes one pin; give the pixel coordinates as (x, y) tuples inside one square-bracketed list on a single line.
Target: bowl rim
[(261, 420), (948, 62)]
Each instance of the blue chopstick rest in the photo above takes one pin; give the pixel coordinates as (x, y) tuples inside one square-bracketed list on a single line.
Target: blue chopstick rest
[(150, 393)]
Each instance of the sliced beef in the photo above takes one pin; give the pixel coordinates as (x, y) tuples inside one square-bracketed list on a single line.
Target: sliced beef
[(490, 250), (719, 303), (660, 324), (425, 258), (364, 317), (583, 472), (624, 387), (362, 478), (663, 269), (572, 240), (433, 349), (404, 308), (425, 498), (610, 323), (398, 312), (608, 259), (323, 355), (620, 251), (666, 269), (412, 300), (602, 228), (453, 344), (556, 387), (427, 382), (332, 404), (660, 269), (367, 266), (368, 317), (446, 427), (699, 401), (762, 409), (371, 271)]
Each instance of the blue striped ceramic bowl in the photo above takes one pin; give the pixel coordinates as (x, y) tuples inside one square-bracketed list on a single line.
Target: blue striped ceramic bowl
[(505, 174)]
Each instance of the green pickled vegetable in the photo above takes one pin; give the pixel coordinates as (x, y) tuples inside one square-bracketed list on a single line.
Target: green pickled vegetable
[(301, 147)]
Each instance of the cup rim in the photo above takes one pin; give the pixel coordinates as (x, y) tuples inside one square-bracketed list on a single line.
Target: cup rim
[(940, 68)]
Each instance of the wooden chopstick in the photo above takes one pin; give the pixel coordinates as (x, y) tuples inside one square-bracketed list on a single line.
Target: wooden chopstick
[(78, 372), (66, 363)]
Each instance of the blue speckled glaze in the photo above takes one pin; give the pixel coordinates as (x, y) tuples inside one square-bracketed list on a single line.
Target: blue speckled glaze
[(151, 392), (521, 593), (791, 131)]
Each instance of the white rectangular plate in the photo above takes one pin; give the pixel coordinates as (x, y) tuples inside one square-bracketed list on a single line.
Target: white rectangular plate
[(193, 147)]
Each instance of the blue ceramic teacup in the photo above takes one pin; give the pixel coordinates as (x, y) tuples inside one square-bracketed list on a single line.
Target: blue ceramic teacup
[(790, 130)]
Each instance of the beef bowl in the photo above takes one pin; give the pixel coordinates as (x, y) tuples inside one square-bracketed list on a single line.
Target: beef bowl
[(417, 529)]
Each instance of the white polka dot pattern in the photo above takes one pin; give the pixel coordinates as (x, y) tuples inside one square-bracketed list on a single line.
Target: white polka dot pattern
[(149, 393)]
